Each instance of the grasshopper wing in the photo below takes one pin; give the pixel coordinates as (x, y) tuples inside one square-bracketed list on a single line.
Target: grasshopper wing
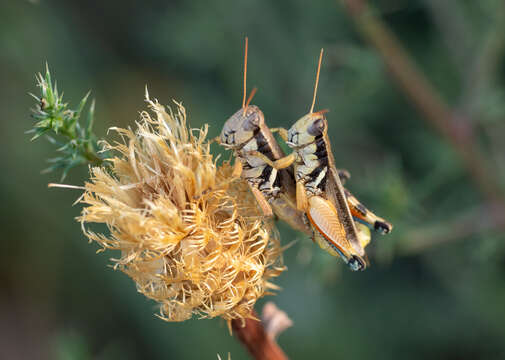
[(331, 234), (334, 192), (323, 215)]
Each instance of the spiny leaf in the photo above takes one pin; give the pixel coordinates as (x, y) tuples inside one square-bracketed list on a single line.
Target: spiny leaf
[(78, 144), (91, 119)]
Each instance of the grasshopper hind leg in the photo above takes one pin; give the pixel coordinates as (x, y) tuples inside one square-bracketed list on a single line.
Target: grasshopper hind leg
[(361, 212), (278, 164)]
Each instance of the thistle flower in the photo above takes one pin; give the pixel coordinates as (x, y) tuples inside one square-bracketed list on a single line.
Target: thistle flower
[(191, 238)]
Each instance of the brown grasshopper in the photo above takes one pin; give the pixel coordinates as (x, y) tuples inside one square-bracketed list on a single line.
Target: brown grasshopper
[(319, 191), (246, 133)]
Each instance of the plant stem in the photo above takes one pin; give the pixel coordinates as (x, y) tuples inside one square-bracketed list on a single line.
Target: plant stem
[(251, 333)]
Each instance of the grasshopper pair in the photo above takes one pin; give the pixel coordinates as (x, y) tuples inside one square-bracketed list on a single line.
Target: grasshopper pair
[(304, 188)]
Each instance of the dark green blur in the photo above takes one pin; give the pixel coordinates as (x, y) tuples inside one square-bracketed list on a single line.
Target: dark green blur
[(436, 287)]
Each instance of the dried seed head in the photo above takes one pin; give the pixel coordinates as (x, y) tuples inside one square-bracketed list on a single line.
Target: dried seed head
[(191, 238)]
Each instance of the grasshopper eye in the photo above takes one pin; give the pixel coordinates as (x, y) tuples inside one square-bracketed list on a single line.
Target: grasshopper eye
[(316, 128), (252, 123)]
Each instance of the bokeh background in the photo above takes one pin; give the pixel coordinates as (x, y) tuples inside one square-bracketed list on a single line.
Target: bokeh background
[(428, 158)]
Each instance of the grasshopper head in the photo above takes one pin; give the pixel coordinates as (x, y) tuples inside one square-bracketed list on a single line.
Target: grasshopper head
[(307, 129), (241, 127)]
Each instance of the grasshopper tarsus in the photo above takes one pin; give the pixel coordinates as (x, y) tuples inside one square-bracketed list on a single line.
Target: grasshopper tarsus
[(383, 227)]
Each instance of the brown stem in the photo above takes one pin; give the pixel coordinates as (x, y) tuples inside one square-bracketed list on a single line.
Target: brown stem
[(457, 130), (253, 336)]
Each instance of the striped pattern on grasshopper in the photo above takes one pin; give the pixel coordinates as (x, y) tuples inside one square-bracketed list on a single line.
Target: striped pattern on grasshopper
[(246, 133), (320, 193)]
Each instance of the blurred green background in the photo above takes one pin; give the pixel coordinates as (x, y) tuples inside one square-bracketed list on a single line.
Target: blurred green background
[(437, 285)]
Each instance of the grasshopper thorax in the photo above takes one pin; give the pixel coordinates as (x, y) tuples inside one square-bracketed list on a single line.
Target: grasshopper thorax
[(241, 127)]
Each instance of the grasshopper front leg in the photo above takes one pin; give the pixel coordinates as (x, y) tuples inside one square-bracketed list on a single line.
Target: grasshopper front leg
[(343, 174), (283, 133), (278, 164), (301, 197), (260, 198)]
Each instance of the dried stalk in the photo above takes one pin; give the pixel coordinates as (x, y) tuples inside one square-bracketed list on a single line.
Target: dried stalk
[(260, 344)]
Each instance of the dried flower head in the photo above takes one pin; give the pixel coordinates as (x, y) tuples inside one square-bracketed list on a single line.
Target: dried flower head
[(190, 237)]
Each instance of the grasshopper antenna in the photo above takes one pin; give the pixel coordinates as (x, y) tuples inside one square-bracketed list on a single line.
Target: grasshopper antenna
[(250, 98), (245, 74), (317, 81), (245, 103)]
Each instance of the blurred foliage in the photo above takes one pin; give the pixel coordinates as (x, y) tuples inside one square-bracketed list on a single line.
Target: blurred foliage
[(443, 299)]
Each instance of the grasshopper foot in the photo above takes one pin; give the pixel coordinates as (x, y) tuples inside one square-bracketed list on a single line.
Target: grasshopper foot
[(356, 264), (383, 227)]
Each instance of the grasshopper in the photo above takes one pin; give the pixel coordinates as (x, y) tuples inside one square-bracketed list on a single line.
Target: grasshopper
[(246, 133), (319, 191)]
